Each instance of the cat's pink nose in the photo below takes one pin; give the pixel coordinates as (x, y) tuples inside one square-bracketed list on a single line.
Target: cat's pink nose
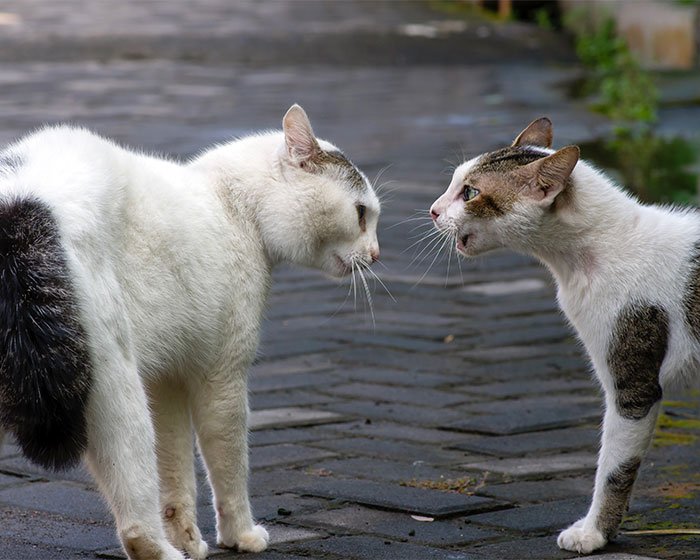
[(433, 214), (374, 253)]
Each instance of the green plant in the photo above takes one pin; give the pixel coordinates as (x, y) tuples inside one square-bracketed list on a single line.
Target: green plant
[(656, 169)]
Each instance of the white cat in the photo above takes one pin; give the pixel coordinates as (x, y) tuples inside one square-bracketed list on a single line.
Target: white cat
[(628, 278), (132, 290)]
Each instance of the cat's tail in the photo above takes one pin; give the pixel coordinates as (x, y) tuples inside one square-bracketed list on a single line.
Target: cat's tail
[(45, 369)]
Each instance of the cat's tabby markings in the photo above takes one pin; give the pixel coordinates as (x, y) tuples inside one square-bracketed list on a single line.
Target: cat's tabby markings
[(628, 280)]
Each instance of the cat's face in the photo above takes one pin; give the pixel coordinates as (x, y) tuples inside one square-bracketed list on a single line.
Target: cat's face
[(498, 199), (335, 209)]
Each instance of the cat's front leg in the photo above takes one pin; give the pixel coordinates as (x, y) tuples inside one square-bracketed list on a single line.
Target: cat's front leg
[(220, 414), (174, 448), (624, 444), (630, 374)]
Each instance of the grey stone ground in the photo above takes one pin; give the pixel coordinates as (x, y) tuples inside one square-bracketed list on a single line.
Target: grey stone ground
[(470, 380)]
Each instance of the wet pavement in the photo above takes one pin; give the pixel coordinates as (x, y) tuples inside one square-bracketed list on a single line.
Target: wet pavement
[(462, 422)]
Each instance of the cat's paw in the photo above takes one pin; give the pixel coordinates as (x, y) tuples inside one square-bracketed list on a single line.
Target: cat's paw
[(581, 539), (183, 532), (253, 540)]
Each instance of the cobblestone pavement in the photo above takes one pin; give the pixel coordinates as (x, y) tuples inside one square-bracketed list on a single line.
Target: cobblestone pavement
[(462, 424)]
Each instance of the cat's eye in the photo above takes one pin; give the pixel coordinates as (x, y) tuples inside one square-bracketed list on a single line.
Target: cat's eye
[(469, 192), (361, 213)]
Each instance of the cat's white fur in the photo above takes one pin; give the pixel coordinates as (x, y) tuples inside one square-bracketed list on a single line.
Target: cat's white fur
[(172, 266), (605, 250)]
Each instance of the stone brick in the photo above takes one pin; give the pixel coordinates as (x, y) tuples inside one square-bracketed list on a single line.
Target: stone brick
[(372, 548), (520, 419), (378, 469), (541, 467), (396, 412), (64, 498), (291, 416), (285, 454), (384, 393), (400, 498), (532, 442), (397, 450), (398, 526), (524, 491)]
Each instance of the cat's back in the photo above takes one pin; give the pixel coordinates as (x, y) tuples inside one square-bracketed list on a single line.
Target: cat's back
[(67, 168)]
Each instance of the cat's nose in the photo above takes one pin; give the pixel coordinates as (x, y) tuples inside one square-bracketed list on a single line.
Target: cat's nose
[(374, 253), (434, 214)]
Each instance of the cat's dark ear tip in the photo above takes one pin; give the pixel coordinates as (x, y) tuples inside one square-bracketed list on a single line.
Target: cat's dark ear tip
[(537, 133)]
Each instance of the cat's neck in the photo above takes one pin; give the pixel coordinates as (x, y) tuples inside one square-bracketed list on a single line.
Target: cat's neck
[(590, 229), (244, 174)]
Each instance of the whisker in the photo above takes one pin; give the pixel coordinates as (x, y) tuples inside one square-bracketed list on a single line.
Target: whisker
[(368, 295), (423, 237), (437, 254), (383, 285), (434, 242)]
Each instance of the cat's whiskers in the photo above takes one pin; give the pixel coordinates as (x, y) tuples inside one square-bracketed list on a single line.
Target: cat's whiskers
[(432, 244), (378, 279), (422, 237), (445, 239), (367, 294)]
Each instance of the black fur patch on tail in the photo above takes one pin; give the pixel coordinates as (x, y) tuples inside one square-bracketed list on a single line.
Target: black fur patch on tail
[(45, 370)]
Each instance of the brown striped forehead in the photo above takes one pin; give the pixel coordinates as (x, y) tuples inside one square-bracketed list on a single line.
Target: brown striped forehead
[(507, 159), (335, 158), (498, 188)]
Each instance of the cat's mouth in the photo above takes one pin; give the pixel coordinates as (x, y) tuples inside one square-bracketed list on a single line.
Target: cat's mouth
[(462, 243), (343, 267)]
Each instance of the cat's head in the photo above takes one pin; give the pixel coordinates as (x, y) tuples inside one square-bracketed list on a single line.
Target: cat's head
[(328, 216), (499, 199)]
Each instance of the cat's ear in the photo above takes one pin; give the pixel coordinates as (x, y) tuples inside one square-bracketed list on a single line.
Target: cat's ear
[(537, 133), (302, 146), (548, 176)]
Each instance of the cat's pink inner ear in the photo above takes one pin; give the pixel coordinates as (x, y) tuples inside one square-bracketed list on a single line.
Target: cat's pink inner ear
[(537, 133), (548, 176), (299, 136)]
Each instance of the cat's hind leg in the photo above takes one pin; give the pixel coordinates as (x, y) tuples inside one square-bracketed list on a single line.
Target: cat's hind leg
[(630, 372), (121, 454), (220, 414), (173, 425)]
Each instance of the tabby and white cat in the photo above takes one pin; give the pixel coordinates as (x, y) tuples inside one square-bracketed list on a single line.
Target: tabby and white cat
[(132, 290), (628, 278)]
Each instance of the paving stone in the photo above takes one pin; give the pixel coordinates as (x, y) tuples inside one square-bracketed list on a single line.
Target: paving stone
[(372, 548), (267, 507), (519, 388), (285, 454), (393, 376), (378, 469), (549, 516), (400, 498), (52, 530), (398, 450), (287, 381), (291, 416), (520, 419), (523, 285), (63, 498), (399, 526), (295, 398), (396, 412), (541, 548), (383, 393), (287, 435), (524, 491), (532, 442), (516, 352), (395, 431), (538, 466), (534, 368), (16, 549)]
